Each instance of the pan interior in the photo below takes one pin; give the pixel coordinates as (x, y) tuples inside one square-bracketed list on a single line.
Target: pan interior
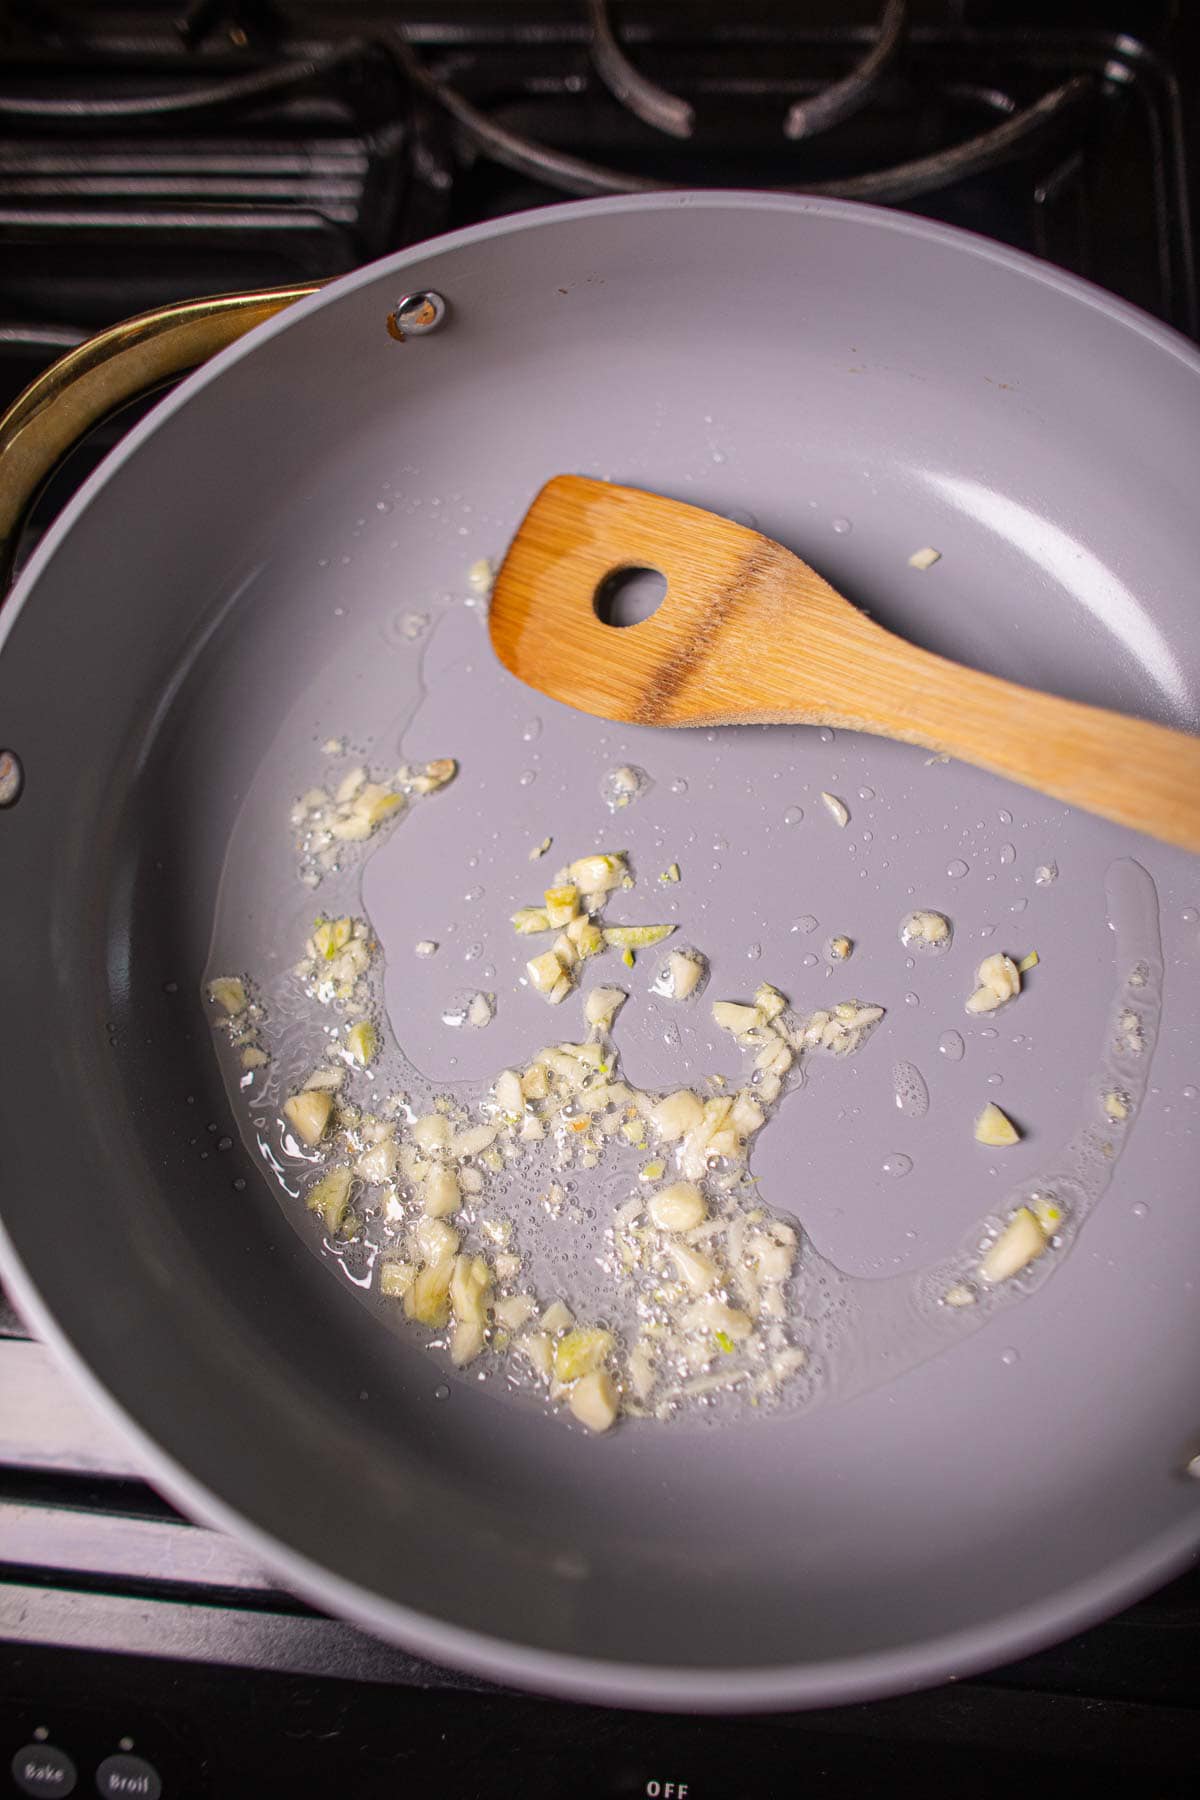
[(293, 552)]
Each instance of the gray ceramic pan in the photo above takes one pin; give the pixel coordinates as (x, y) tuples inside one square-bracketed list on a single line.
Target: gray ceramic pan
[(279, 554)]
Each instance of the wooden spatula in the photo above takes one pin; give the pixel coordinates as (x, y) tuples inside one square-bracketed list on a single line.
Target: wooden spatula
[(749, 634)]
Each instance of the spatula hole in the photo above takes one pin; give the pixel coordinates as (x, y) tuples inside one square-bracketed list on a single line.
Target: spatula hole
[(628, 596)]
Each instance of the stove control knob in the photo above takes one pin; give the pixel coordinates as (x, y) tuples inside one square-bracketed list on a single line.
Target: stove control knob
[(128, 1778), (41, 1769)]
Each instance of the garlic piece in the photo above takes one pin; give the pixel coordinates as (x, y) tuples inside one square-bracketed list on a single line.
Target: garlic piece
[(308, 1114), (736, 1018), (561, 904), (428, 1299), (924, 558), (587, 938), (329, 936), (994, 1128), (841, 1030), (837, 809), (538, 1348), (1048, 1213), (925, 930), (697, 1271), (679, 1207), (466, 1341), (473, 1140), (375, 803), (1021, 1242), (395, 1278), (959, 1295), (509, 1097), (598, 873), (362, 1041), (431, 1133), (557, 1317), (677, 1114), (839, 948), (772, 1256), (999, 980), (470, 1285), (682, 974), (530, 919), (441, 1193), (378, 1164), (331, 1197), (534, 1083), (481, 1011), (436, 1241), (548, 977), (434, 775), (514, 1310), (593, 1400), (621, 787), (332, 1079), (229, 993), (579, 1352), (350, 784), (1116, 1106), (602, 1005), (635, 937), (712, 1315)]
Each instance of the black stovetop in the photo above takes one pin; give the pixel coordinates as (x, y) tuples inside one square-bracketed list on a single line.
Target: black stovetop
[(150, 153)]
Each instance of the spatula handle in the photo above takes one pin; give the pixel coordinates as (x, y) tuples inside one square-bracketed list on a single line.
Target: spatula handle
[(1138, 774)]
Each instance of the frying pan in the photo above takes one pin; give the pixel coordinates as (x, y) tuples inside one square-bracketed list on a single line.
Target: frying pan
[(278, 554)]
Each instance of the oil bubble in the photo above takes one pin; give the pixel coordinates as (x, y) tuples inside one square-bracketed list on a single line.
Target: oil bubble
[(908, 1087)]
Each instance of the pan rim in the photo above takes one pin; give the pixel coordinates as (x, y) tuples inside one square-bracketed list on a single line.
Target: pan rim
[(971, 243), (637, 1686), (651, 1687)]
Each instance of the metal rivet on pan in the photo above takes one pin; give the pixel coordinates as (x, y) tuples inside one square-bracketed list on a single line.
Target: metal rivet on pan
[(415, 315), (12, 777)]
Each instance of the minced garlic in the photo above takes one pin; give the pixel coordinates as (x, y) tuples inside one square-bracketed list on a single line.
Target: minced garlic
[(999, 980)]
